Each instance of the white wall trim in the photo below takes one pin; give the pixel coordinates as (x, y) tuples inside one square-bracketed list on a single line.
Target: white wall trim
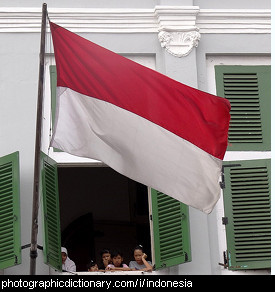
[(234, 21), (121, 20)]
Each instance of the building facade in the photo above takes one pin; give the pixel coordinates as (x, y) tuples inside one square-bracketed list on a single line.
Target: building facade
[(216, 46)]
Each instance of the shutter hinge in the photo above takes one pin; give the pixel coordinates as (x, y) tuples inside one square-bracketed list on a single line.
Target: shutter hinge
[(163, 266), (224, 220), (225, 262), (222, 183), (185, 256), (151, 217)]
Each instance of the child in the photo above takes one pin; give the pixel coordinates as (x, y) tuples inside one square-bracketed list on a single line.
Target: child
[(106, 259), (140, 262), (117, 262), (92, 266)]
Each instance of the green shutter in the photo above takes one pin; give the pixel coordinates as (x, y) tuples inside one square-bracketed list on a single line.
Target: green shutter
[(10, 239), (51, 215), (248, 88), (247, 207), (171, 230)]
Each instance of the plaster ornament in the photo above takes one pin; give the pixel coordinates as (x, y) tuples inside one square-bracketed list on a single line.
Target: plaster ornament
[(179, 43)]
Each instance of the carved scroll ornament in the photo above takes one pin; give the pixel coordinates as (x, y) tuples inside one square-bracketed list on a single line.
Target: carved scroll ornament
[(179, 43)]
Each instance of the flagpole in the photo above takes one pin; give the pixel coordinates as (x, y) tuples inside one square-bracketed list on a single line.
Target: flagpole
[(35, 206)]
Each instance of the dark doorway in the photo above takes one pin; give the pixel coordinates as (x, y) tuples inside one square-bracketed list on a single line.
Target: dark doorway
[(83, 229), (99, 208)]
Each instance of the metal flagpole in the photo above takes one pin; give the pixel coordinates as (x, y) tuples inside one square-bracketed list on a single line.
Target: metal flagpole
[(35, 206)]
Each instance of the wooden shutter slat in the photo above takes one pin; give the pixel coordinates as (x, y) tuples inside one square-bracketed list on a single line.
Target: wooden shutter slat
[(251, 200), (251, 99), (243, 208), (261, 221)]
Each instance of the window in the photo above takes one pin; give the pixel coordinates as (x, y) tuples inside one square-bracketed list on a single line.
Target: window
[(10, 240), (101, 209), (102, 198), (247, 210), (248, 88)]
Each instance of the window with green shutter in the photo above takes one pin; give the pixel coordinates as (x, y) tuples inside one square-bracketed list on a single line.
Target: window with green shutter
[(51, 214), (248, 88), (10, 240), (170, 218), (247, 207), (171, 230)]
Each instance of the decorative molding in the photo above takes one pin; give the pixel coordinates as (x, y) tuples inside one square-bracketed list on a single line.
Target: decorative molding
[(178, 32), (179, 43), (120, 20), (234, 21), (176, 17), (178, 27), (78, 20)]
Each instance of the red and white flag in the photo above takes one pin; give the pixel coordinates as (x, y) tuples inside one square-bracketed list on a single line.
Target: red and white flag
[(143, 124)]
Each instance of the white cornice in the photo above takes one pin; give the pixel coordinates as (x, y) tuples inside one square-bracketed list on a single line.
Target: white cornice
[(234, 21), (22, 19), (80, 20)]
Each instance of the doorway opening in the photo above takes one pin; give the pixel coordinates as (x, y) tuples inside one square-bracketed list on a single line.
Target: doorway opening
[(101, 209)]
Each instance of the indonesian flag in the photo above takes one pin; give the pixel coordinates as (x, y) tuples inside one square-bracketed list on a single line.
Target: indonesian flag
[(141, 123)]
